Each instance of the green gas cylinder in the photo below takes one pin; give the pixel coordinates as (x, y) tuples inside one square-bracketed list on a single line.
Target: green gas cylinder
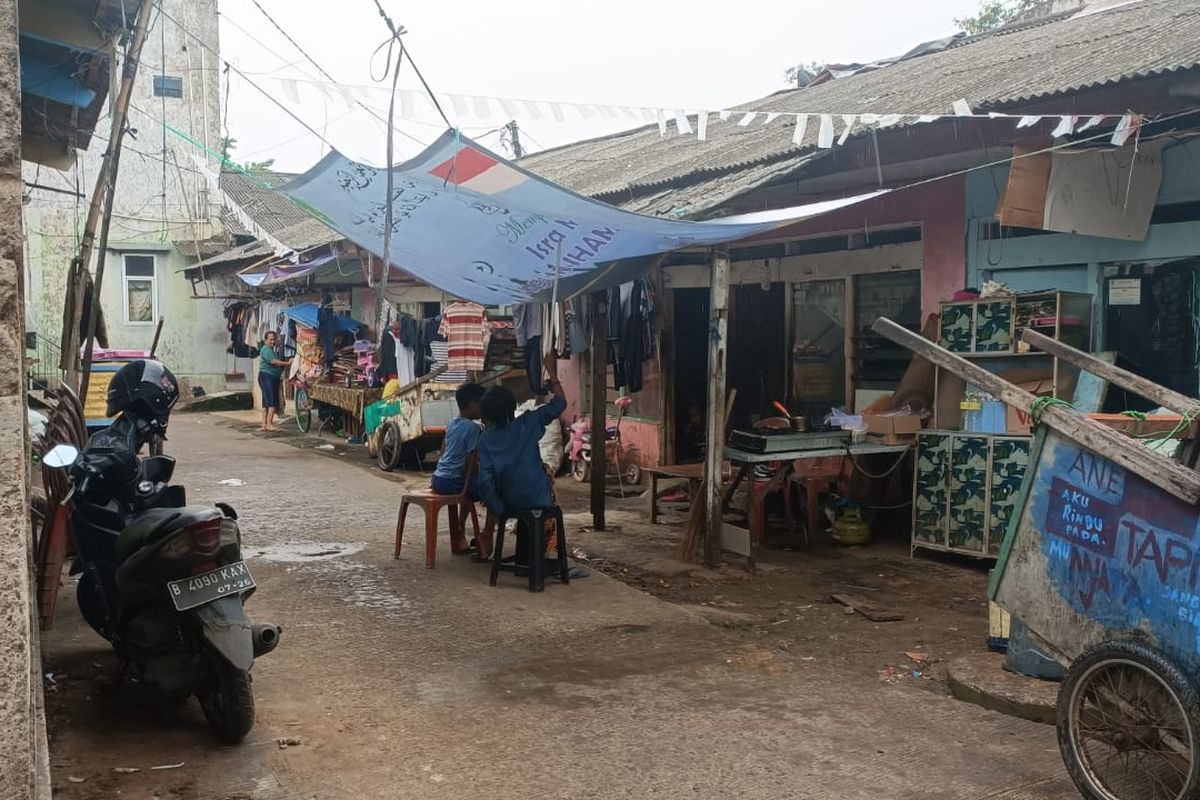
[(849, 528)]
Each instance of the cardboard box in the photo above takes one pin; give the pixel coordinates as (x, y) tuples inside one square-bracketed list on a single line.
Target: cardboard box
[(894, 428), (1019, 421)]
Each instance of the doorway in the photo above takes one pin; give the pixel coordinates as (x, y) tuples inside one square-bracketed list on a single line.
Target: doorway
[(1155, 337), (757, 364), (691, 372)]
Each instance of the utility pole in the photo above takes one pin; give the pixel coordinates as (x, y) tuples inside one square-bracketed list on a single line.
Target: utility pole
[(101, 203), (514, 136)]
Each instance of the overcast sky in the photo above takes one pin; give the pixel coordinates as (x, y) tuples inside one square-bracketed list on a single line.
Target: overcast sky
[(694, 54)]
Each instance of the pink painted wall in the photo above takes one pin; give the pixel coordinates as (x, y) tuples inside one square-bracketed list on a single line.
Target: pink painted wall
[(642, 437), (939, 207)]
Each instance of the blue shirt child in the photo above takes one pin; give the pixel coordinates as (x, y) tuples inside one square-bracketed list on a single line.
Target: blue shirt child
[(511, 474)]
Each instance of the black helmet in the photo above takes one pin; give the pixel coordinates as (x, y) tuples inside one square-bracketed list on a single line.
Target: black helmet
[(145, 389)]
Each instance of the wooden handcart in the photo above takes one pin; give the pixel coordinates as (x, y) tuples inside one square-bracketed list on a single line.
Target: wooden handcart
[(1101, 561)]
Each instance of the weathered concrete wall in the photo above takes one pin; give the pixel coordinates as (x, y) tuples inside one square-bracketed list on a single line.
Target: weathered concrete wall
[(159, 200), (24, 770)]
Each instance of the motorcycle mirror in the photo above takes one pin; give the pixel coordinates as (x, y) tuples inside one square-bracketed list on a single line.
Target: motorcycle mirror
[(61, 455)]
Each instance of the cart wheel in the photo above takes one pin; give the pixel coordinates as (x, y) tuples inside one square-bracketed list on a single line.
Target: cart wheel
[(580, 471), (631, 475), (390, 446), (303, 407), (1128, 720)]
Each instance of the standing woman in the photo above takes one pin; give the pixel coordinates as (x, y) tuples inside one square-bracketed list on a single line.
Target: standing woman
[(270, 379)]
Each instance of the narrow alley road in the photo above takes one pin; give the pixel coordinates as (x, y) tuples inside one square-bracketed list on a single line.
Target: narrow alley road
[(400, 682)]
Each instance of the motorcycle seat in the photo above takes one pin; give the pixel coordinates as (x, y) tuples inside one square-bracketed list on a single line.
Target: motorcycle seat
[(151, 525)]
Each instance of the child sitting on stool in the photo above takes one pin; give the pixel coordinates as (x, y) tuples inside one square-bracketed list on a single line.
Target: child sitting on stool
[(462, 437), (511, 473)]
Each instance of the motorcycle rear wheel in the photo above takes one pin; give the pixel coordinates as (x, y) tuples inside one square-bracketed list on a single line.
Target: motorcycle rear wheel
[(228, 705)]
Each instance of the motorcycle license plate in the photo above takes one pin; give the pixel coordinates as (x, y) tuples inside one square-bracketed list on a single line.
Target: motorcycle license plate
[(208, 586)]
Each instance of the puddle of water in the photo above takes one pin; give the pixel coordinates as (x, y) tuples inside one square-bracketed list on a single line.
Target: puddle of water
[(301, 552)]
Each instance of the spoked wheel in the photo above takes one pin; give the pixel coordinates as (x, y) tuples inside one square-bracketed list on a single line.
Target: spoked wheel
[(304, 406), (1128, 721), (390, 446)]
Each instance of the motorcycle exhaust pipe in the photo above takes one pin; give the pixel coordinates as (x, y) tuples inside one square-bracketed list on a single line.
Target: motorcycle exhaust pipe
[(265, 637)]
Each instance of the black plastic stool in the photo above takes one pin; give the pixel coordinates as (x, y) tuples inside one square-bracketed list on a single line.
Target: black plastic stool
[(533, 520)]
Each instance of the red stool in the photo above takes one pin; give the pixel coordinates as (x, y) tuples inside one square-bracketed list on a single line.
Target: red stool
[(460, 507)]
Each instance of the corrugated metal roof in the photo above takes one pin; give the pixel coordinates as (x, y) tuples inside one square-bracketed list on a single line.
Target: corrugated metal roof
[(256, 195), (1052, 56)]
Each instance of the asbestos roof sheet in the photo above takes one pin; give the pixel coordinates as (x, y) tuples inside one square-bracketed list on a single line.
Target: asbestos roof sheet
[(1057, 55), (257, 195)]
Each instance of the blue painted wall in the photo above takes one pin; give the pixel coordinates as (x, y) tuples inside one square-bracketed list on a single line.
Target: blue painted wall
[(1072, 262)]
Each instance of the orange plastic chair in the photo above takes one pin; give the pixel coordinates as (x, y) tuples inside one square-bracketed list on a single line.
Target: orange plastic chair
[(460, 507)]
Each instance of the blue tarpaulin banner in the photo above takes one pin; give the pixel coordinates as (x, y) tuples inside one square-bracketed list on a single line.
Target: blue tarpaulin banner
[(481, 228)]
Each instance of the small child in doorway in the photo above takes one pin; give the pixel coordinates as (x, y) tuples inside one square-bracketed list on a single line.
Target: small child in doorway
[(462, 439)]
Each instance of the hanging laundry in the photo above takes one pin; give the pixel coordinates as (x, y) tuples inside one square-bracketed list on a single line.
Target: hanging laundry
[(579, 325), (527, 322), (465, 327), (398, 350)]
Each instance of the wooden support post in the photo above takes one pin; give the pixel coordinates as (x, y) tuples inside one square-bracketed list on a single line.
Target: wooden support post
[(598, 352), (718, 340), (1167, 398), (1158, 469)]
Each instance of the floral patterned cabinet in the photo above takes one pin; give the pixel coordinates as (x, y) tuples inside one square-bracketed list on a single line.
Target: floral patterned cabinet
[(965, 490)]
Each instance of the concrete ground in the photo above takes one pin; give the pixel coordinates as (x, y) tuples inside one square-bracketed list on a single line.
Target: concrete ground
[(399, 682)]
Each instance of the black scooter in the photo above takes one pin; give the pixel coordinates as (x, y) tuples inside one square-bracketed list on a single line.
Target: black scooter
[(165, 583)]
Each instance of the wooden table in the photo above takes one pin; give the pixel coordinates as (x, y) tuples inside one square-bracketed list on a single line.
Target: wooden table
[(692, 473), (746, 460), (351, 399)]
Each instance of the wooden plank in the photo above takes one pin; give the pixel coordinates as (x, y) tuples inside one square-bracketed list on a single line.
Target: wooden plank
[(718, 342), (873, 612), (1159, 470), (599, 361), (1168, 398)]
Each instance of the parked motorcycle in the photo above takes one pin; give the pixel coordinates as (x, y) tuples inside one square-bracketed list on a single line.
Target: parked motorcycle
[(620, 462), (163, 581)]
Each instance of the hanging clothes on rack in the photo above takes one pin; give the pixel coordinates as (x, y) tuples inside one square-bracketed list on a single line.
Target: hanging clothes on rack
[(579, 325), (398, 350), (237, 319), (427, 334), (465, 327), (529, 327)]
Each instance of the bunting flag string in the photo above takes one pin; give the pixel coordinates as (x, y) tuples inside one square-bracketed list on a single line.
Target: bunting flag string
[(834, 127)]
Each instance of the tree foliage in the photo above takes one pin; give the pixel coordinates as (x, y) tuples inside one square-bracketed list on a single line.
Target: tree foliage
[(994, 13), (229, 144)]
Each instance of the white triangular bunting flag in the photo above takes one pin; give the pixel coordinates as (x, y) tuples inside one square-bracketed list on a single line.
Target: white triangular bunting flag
[(348, 97), (850, 120), (724, 115), (825, 133), (1064, 127), (649, 114), (291, 91), (608, 112), (747, 119), (1029, 121), (459, 103), (508, 107), (681, 123), (629, 112), (962, 108), (532, 108), (929, 118), (887, 120), (702, 126), (556, 109), (771, 115), (1091, 123), (481, 107), (585, 111), (406, 103), (1126, 128), (801, 129), (868, 119), (662, 123)]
